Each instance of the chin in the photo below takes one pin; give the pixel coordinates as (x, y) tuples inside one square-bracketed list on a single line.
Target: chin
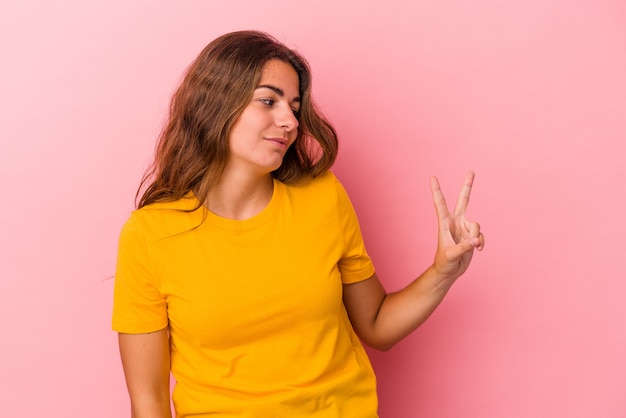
[(275, 166)]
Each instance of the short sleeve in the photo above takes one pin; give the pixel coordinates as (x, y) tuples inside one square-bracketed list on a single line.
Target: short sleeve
[(138, 305), (355, 264)]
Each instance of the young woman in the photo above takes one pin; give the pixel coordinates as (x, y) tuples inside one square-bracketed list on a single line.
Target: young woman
[(243, 272)]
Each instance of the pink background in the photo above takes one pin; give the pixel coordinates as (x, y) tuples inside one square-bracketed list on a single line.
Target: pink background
[(529, 94)]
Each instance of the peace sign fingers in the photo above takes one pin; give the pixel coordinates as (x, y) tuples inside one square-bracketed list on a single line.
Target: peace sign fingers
[(438, 199), (458, 237), (462, 201), (464, 195)]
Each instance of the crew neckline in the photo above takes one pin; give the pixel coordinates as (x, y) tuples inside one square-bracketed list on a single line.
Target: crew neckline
[(260, 218)]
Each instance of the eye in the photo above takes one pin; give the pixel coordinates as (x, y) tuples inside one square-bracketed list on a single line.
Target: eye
[(295, 111), (268, 102)]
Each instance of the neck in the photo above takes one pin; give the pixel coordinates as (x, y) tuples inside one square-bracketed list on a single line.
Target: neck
[(240, 197)]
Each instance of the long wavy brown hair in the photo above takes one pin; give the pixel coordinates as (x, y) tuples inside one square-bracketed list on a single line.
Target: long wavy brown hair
[(192, 150)]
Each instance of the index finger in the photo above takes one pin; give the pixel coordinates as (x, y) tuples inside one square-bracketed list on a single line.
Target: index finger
[(438, 199), (464, 195)]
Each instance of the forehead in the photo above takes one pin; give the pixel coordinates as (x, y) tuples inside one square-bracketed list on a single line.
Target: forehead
[(281, 74)]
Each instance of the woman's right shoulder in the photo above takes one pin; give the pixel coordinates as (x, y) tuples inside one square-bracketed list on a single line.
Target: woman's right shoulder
[(165, 218)]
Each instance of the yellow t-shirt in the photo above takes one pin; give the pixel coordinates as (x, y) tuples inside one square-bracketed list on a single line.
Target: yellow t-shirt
[(254, 307)]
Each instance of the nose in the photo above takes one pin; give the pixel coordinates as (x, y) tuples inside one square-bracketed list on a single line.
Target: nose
[(286, 119)]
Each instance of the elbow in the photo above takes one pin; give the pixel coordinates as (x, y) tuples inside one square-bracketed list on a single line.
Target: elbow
[(374, 338), (384, 348), (380, 345)]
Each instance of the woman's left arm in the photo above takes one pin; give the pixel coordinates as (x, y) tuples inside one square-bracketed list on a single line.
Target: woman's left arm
[(381, 319)]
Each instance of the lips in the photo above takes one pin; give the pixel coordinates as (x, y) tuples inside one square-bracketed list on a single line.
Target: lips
[(280, 142)]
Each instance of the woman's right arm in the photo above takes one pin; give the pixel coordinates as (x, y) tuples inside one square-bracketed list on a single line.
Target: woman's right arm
[(146, 362)]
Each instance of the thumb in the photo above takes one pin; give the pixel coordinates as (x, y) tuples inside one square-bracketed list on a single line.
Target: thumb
[(457, 251)]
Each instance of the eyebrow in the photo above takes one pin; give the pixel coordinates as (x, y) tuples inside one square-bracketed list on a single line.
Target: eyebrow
[(278, 91)]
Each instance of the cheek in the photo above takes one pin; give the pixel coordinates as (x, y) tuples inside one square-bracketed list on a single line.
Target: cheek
[(293, 137), (249, 118)]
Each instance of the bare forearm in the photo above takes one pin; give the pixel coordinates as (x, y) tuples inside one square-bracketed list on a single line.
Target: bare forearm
[(402, 312)]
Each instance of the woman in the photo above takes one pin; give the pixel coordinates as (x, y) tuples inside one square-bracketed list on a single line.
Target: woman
[(243, 271)]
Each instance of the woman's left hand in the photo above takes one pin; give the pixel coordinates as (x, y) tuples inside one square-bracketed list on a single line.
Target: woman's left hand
[(458, 237), (381, 319)]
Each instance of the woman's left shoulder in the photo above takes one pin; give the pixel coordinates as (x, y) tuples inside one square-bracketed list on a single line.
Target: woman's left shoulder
[(326, 182), (323, 187)]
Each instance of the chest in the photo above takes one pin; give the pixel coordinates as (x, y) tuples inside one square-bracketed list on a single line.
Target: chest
[(276, 277)]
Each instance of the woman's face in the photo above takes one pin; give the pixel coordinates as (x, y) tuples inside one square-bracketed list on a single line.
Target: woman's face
[(268, 125)]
